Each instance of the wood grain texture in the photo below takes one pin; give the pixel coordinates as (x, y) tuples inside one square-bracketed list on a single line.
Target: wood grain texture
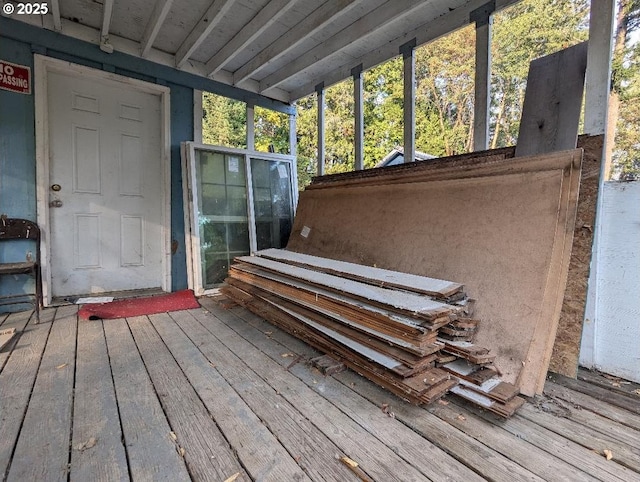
[(151, 452), (581, 400), (356, 443), (18, 321), (478, 457), (557, 445), (433, 462), (16, 382), (206, 452), (566, 349), (314, 451), (365, 274), (515, 448), (258, 449), (412, 303), (596, 436), (552, 103), (42, 451), (97, 450), (600, 393)]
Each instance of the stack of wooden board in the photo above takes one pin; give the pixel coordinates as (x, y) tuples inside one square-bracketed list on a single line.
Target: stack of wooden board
[(502, 225), (410, 334)]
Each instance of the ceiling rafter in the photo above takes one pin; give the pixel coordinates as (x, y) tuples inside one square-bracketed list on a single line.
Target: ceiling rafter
[(55, 12), (266, 17), (311, 24), (160, 12), (361, 28), (202, 29), (427, 32)]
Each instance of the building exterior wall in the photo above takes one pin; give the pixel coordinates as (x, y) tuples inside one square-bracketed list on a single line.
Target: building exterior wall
[(17, 164), (17, 133), (611, 341)]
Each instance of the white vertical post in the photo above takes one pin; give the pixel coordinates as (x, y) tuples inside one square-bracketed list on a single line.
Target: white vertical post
[(598, 75), (358, 100), (482, 84), (597, 82), (197, 116), (482, 18), (409, 66), (293, 136), (321, 147), (251, 127)]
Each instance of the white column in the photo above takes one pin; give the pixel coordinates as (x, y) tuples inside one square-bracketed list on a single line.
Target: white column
[(597, 81), (482, 18), (409, 66), (320, 95), (251, 127), (598, 76), (197, 116), (358, 100), (482, 85), (293, 137)]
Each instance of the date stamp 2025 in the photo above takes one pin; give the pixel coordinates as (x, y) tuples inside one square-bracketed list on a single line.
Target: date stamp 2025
[(41, 8)]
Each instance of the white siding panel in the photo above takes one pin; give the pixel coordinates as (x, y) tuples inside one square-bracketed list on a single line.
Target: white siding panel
[(617, 328)]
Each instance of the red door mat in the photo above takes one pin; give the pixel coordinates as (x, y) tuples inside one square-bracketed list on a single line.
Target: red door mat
[(180, 300)]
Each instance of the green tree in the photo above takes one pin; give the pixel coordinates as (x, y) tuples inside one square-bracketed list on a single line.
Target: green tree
[(624, 111), (521, 33), (224, 121), (271, 130)]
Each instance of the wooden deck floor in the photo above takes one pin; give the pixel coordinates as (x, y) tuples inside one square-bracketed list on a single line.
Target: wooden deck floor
[(212, 395)]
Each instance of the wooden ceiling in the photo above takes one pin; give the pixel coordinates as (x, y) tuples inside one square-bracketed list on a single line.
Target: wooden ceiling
[(278, 48)]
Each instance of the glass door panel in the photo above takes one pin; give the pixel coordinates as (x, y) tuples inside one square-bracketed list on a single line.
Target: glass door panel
[(272, 203), (222, 215)]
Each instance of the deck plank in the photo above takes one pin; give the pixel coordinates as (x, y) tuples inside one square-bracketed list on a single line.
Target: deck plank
[(259, 451), (578, 399), (591, 435), (433, 462), (315, 452), (559, 446), (206, 452), (151, 452), (520, 451), (374, 457), (97, 452), (16, 382), (18, 321), (599, 393), (466, 450), (42, 451)]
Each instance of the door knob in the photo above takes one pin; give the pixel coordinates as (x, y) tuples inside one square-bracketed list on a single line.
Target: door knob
[(56, 203)]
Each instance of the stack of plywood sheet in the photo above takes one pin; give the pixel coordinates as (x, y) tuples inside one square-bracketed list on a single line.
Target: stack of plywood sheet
[(502, 225), (410, 334)]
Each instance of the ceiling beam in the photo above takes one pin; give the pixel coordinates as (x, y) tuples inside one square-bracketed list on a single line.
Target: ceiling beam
[(202, 29), (311, 24), (55, 11), (266, 17), (107, 12), (361, 28), (160, 12), (427, 32)]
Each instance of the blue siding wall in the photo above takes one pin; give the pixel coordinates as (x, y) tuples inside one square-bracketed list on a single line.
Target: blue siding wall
[(182, 130), (17, 165)]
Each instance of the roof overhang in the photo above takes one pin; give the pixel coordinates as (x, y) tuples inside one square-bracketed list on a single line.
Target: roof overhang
[(280, 49)]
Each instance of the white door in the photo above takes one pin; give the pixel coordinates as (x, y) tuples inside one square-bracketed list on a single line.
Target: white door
[(105, 186)]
